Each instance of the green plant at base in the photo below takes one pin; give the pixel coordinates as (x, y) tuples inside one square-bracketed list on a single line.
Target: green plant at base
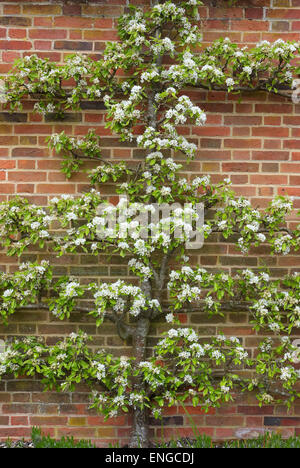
[(45, 441)]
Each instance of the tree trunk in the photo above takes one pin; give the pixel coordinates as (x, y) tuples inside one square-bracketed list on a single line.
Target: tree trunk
[(139, 437), (140, 433), (140, 427)]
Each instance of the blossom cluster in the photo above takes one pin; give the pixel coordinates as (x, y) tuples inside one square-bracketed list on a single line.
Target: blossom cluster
[(194, 285), (254, 226), (275, 303), (123, 115), (23, 224), (23, 287), (121, 298), (68, 291), (169, 139), (183, 109), (74, 150)]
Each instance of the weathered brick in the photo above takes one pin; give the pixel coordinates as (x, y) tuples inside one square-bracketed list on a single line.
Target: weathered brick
[(21, 152), (38, 9), (272, 421), (102, 10), (73, 45), (256, 410), (19, 408), (77, 421), (221, 421), (240, 167), (15, 21), (48, 421), (14, 432)]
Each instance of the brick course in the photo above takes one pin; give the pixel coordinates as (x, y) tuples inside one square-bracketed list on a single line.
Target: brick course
[(254, 141)]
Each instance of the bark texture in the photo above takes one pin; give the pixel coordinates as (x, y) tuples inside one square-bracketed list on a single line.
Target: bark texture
[(140, 433)]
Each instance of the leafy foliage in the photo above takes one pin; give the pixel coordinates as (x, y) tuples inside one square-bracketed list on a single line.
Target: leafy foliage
[(40, 440)]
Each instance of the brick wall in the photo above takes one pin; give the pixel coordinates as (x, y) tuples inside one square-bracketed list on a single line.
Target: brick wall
[(255, 141)]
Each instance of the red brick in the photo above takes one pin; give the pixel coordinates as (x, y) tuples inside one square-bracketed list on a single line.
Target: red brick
[(33, 129), (43, 21), (271, 132), (249, 25), (193, 410), (15, 432), (7, 164), (273, 108), (10, 57), (7, 188), (102, 10), (272, 144), (15, 33), (68, 22), (82, 432), (291, 144), (55, 188), (254, 13), (286, 13), (21, 152), (290, 168), (211, 131), (25, 188), (15, 45), (270, 155), (19, 421), (266, 179), (222, 13), (256, 410), (47, 33), (242, 143), (290, 191), (11, 9), (242, 120), (19, 408), (103, 23), (221, 421), (99, 421), (23, 176), (48, 420), (240, 167), (100, 35), (38, 9), (73, 45)]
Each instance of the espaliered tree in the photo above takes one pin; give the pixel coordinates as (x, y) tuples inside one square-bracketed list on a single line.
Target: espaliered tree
[(142, 81)]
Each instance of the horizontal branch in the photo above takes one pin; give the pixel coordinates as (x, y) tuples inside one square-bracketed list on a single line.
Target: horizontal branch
[(122, 327), (226, 306), (260, 231), (242, 89), (42, 306)]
